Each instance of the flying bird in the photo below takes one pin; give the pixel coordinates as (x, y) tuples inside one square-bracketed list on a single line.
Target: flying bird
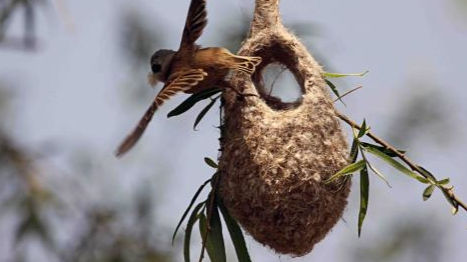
[(191, 69)]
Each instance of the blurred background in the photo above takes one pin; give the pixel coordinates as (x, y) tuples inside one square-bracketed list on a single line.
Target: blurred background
[(73, 84)]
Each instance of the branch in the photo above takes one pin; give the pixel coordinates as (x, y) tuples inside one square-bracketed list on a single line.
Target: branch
[(414, 167), (347, 93)]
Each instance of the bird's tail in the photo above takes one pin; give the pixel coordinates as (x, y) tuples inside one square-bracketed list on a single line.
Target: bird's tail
[(246, 64)]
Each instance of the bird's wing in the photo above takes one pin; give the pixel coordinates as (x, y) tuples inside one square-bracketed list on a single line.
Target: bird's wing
[(194, 25), (180, 82)]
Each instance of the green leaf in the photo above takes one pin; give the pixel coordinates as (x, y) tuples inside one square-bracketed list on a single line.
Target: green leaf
[(443, 182), (200, 189), (428, 191), (354, 150), (189, 227), (364, 197), (236, 235), (427, 173), (383, 149), (334, 75), (211, 163), (396, 164), (378, 173), (349, 169), (334, 90), (32, 224), (192, 100), (214, 241), (363, 130), (203, 112)]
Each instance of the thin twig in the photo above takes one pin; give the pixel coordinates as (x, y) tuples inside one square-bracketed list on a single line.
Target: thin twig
[(404, 158), (347, 93), (275, 79)]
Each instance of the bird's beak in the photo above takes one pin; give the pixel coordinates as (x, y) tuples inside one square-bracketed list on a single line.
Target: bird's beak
[(152, 79)]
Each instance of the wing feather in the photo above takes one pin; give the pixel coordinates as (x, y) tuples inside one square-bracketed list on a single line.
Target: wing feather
[(195, 22), (181, 82)]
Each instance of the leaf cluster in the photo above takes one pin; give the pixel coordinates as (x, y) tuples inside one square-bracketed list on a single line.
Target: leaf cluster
[(193, 100), (363, 165), (207, 215), (394, 157)]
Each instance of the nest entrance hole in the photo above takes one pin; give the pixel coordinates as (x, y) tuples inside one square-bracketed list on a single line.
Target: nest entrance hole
[(280, 85), (276, 79)]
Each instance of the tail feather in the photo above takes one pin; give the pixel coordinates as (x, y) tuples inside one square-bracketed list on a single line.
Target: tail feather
[(246, 64)]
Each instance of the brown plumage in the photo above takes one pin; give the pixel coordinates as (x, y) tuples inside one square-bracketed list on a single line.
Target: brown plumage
[(191, 69)]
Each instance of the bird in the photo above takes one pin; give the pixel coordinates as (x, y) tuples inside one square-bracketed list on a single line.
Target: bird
[(190, 69)]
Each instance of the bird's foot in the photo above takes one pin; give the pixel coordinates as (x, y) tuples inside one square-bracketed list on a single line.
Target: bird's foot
[(241, 96)]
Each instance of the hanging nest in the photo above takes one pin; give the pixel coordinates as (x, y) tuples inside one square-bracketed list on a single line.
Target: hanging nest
[(276, 156)]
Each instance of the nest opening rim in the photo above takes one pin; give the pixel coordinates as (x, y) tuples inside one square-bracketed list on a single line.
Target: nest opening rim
[(278, 53)]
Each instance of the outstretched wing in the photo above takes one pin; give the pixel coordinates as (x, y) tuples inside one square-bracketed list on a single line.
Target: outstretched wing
[(180, 82), (194, 25)]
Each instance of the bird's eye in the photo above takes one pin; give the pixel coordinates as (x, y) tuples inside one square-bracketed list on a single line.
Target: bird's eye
[(156, 68)]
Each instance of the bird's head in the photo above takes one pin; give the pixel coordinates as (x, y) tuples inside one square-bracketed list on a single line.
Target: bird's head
[(160, 62)]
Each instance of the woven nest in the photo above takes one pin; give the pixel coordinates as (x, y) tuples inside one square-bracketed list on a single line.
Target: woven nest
[(275, 156)]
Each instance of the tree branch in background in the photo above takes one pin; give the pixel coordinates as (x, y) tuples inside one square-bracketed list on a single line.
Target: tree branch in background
[(447, 191)]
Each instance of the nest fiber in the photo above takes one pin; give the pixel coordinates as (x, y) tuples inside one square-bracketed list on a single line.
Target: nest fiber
[(275, 156)]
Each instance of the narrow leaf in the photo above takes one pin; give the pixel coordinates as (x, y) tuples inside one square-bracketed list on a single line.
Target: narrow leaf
[(189, 228), (396, 164), (349, 169), (383, 149), (210, 162), (334, 75), (354, 151), (363, 130), (214, 241), (427, 173), (334, 90), (428, 191), (378, 173), (200, 189), (192, 100), (364, 197), (443, 182), (236, 235), (203, 112)]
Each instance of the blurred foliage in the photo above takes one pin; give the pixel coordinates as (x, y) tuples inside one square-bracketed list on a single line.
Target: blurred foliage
[(5, 97), (105, 233), (462, 4), (23, 194), (423, 113), (140, 37), (108, 236), (8, 8), (42, 213)]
